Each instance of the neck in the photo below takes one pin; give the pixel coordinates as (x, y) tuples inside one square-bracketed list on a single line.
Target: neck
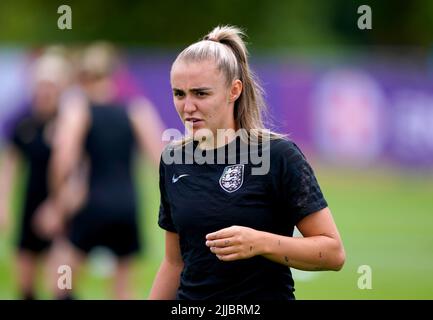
[(101, 98), (101, 92), (43, 115)]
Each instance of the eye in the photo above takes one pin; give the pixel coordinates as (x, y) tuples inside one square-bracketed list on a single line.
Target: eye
[(178, 93), (201, 93)]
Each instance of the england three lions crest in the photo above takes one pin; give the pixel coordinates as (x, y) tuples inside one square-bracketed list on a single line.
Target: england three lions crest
[(232, 177)]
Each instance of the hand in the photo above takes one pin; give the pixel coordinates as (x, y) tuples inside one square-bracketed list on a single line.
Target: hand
[(234, 243), (48, 222)]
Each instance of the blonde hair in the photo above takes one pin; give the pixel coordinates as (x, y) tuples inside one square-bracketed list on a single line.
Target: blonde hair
[(225, 45), (99, 59), (52, 66)]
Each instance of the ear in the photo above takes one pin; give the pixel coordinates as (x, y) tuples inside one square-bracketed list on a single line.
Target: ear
[(235, 90)]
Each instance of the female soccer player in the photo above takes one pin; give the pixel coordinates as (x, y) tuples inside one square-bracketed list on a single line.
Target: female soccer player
[(31, 141), (93, 127), (229, 231)]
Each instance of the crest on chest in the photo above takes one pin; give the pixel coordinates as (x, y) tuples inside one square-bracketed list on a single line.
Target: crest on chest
[(232, 178)]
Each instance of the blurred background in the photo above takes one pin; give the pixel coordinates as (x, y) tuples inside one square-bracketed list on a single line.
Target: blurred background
[(358, 102)]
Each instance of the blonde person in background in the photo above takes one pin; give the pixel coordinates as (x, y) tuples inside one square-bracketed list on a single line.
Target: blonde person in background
[(30, 140), (96, 129), (229, 232)]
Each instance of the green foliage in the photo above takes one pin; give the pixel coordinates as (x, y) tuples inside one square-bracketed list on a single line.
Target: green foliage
[(174, 23)]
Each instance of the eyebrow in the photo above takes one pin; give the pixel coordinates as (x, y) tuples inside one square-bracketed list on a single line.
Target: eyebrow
[(194, 89)]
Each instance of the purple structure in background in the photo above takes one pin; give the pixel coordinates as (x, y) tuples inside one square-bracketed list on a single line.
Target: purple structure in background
[(13, 87), (357, 113)]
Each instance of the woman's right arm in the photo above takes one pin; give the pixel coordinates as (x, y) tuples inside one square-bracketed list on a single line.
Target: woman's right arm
[(167, 279), (148, 127), (8, 169), (71, 129)]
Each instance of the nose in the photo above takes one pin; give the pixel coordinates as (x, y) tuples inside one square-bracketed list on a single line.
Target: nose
[(189, 105)]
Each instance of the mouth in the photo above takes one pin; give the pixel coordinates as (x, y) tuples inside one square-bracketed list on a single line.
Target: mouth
[(194, 121)]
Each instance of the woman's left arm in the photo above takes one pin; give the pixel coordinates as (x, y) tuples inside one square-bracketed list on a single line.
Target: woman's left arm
[(320, 248)]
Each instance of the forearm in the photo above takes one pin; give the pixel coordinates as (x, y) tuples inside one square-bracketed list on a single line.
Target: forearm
[(8, 167), (68, 142), (148, 130), (5, 185), (310, 253), (166, 281), (60, 169)]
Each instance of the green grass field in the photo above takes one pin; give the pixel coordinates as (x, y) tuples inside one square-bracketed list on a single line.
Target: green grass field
[(385, 218)]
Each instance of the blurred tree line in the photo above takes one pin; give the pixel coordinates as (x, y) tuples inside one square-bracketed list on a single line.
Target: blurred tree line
[(173, 23)]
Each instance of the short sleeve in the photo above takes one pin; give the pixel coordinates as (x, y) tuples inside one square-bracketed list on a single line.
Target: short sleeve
[(17, 132), (15, 128), (15, 138), (165, 220), (299, 190)]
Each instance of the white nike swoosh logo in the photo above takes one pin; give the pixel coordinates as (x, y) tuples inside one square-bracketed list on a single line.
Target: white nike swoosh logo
[(175, 179)]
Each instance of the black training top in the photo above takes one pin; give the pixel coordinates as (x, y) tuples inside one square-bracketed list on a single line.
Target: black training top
[(197, 199), (31, 137), (110, 146)]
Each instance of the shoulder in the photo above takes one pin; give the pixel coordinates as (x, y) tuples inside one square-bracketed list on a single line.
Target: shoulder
[(17, 119), (287, 159), (166, 153), (21, 126), (24, 121), (174, 152), (177, 146), (284, 149), (169, 149)]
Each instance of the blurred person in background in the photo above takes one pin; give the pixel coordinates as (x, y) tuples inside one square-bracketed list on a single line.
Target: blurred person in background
[(103, 133), (31, 140), (229, 232)]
